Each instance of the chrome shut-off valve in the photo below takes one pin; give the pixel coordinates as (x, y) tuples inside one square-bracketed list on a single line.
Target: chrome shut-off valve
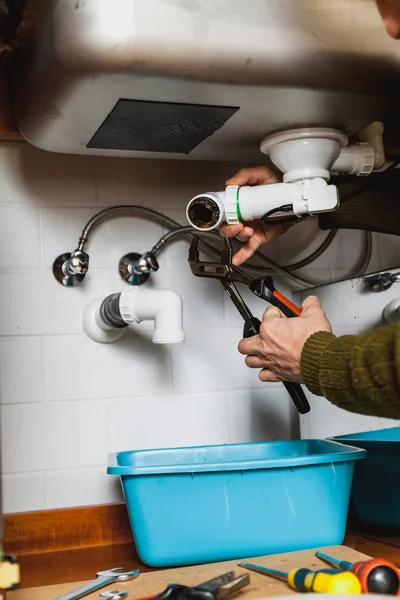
[(70, 268)]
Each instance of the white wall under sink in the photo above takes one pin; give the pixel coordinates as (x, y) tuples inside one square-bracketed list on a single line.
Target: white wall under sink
[(67, 402)]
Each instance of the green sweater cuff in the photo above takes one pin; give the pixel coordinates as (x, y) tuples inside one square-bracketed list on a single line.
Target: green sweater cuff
[(311, 358), (375, 209)]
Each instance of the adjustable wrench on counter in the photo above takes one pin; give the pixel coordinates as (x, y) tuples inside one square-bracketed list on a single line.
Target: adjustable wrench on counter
[(103, 578)]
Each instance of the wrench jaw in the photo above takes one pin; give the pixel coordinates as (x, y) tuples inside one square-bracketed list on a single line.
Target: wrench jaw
[(119, 574), (104, 578), (113, 595)]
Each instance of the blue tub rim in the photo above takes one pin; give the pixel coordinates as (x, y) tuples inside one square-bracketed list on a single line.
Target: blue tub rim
[(375, 439), (336, 453)]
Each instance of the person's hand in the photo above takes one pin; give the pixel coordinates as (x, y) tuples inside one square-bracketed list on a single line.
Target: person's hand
[(390, 14), (277, 349), (253, 233)]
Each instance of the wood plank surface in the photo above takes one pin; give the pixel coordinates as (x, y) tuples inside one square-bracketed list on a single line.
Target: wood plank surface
[(49, 530), (154, 582)]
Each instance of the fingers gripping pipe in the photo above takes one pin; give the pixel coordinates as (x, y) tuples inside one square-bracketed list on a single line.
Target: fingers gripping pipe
[(306, 157), (106, 321)]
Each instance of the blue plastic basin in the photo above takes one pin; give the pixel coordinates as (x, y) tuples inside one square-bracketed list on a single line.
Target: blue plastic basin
[(376, 488), (215, 503)]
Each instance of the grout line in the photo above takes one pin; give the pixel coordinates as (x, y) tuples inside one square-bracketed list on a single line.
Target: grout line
[(44, 270), (47, 470), (121, 399)]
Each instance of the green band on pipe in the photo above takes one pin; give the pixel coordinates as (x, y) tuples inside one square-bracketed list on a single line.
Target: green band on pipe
[(239, 215)]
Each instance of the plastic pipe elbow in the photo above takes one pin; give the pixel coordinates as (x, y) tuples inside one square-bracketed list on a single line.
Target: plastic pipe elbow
[(164, 307)]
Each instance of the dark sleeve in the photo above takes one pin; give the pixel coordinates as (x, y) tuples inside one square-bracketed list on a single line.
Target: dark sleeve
[(359, 373), (375, 209)]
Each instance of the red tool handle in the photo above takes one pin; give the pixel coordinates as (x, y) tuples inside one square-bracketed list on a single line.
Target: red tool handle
[(264, 288), (377, 576), (287, 303)]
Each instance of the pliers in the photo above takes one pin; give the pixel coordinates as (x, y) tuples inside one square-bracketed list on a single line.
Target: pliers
[(218, 588), (263, 287)]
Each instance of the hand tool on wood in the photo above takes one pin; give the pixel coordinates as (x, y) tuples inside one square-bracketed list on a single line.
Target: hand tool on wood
[(324, 581), (262, 287), (103, 578), (113, 595), (377, 575), (218, 588)]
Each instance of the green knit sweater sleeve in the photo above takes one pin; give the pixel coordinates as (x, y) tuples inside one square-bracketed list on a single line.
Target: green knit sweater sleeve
[(359, 373), (375, 209)]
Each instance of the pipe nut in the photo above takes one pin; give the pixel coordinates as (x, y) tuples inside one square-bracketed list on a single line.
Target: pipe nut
[(231, 204), (126, 304)]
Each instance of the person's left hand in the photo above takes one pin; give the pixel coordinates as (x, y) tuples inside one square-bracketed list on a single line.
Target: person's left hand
[(277, 349)]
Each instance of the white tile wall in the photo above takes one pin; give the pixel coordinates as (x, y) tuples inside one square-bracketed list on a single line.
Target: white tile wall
[(66, 402), (38, 437), (184, 420), (21, 370)]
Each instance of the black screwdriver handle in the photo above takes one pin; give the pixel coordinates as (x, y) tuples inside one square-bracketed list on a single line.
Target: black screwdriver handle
[(295, 391)]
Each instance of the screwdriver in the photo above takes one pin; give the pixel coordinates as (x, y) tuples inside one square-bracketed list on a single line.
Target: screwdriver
[(324, 581), (376, 576)]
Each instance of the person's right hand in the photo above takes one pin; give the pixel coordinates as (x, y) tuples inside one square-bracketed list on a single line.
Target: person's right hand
[(253, 234)]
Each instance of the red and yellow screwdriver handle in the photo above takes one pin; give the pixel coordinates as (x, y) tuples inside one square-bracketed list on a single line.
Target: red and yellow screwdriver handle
[(324, 581), (363, 570)]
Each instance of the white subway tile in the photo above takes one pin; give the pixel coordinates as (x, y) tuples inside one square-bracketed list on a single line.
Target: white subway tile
[(13, 188), (81, 488), (327, 420), (202, 298), (107, 243), (62, 228), (115, 284), (260, 415), (131, 366), (341, 313), (23, 492), (32, 175), (152, 182), (36, 304), (19, 233), (21, 370), (54, 436), (209, 360), (177, 254), (169, 422)]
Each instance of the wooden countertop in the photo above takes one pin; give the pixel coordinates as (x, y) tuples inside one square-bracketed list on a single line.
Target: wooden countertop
[(64, 566), (71, 545), (83, 564)]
